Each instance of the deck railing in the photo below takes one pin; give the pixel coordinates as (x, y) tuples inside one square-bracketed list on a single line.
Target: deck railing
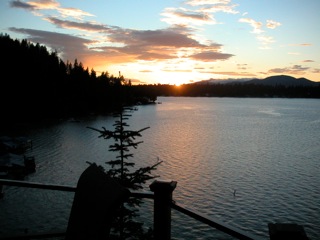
[(161, 193)]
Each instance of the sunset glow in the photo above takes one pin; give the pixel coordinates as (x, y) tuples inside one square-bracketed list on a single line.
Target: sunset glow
[(174, 42)]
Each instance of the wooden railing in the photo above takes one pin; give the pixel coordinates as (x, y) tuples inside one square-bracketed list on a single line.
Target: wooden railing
[(161, 193)]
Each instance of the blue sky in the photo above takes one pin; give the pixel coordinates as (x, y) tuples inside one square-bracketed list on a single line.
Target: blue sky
[(174, 41)]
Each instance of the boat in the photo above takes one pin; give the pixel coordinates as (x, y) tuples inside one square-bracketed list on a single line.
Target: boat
[(18, 145), (14, 164)]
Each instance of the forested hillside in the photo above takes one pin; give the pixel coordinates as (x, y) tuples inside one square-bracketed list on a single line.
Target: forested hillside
[(36, 84)]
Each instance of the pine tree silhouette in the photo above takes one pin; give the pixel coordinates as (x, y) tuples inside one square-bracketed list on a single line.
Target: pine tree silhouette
[(123, 170)]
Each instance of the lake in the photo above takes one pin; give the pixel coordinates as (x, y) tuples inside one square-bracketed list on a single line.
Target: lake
[(244, 161)]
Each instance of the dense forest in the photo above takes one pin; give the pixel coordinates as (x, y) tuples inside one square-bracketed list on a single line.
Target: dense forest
[(37, 84)]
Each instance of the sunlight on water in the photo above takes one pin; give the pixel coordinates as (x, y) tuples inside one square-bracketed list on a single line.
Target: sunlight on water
[(246, 162)]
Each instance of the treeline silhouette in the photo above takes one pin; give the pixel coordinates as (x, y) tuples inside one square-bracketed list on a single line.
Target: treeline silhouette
[(237, 90), (36, 84)]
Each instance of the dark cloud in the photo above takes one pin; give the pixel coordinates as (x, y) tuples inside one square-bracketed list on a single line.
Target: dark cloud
[(78, 25), (70, 47), (161, 44), (295, 69), (116, 44), (154, 56), (23, 5), (165, 37), (299, 68), (210, 56)]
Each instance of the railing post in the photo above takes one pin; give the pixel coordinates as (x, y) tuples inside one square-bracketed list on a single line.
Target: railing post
[(1, 191), (162, 208), (279, 231)]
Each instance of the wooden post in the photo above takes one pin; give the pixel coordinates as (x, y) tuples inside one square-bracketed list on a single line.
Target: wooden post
[(280, 231), (162, 208), (1, 191)]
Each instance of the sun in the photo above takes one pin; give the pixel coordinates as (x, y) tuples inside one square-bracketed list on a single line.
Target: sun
[(159, 73), (172, 78)]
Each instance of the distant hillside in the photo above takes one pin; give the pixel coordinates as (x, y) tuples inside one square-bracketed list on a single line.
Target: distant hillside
[(279, 80), (223, 81), (284, 81)]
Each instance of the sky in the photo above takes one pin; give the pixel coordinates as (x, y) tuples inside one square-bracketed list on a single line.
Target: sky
[(174, 42)]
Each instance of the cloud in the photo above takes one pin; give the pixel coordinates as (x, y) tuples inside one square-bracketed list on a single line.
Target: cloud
[(74, 13), (86, 26), (44, 4), (66, 45), (300, 44), (257, 26), (259, 32), (200, 12), (295, 69), (210, 56), (176, 16), (272, 24), (105, 44), (254, 24), (130, 45), (206, 2), (220, 8), (150, 38), (165, 44), (242, 66), (265, 41), (23, 5), (308, 61), (35, 5), (39, 5)]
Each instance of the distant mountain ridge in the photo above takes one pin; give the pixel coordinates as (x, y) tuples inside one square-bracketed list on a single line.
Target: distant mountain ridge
[(283, 80)]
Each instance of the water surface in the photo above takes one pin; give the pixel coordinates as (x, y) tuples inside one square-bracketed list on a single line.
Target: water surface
[(243, 161)]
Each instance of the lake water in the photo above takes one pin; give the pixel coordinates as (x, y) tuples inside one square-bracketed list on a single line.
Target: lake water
[(265, 150)]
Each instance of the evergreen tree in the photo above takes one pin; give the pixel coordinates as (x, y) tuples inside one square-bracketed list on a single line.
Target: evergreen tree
[(122, 169)]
